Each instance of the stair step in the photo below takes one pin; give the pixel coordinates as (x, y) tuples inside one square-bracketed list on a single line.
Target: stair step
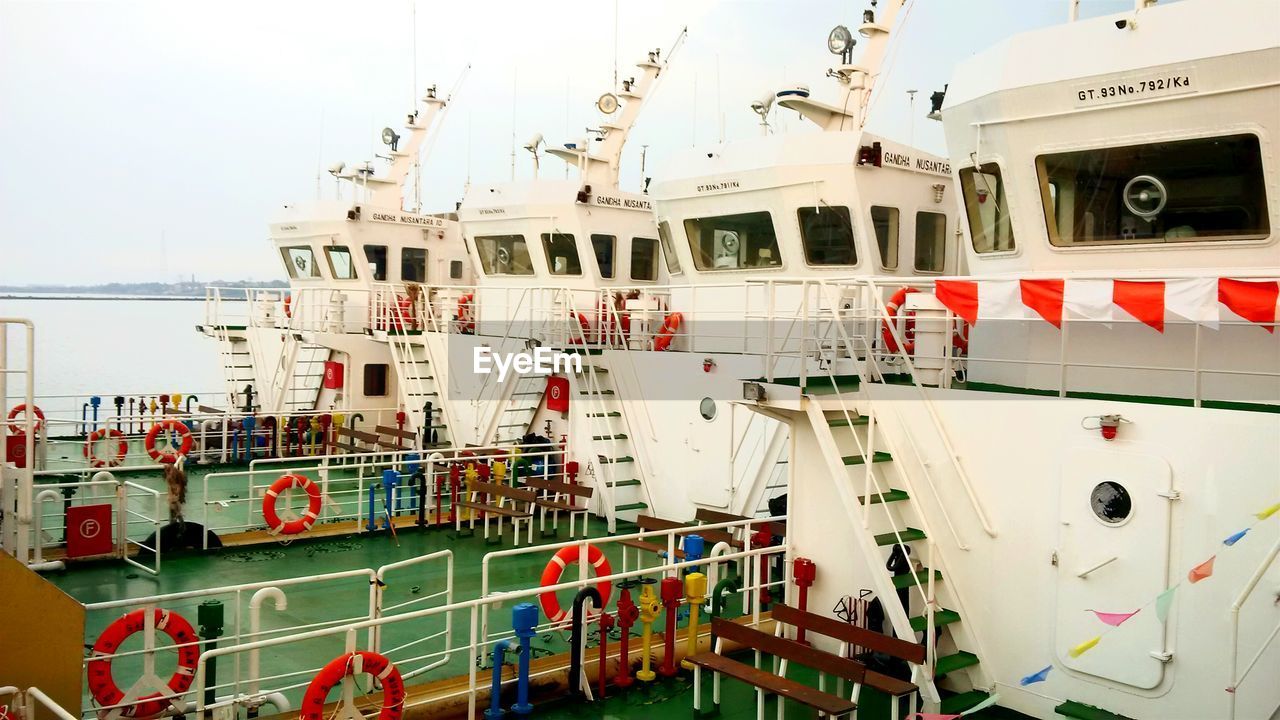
[(619, 436), (908, 535), (602, 392), (909, 580), (595, 368), (605, 414), (957, 661), (957, 704), (630, 506), (940, 618), (876, 457), (526, 394), (1073, 709), (842, 384), (888, 496), (623, 459), (842, 422), (623, 483)]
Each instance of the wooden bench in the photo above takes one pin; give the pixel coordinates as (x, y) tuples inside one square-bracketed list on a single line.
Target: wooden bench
[(648, 522), (345, 439), (852, 635), (397, 434), (552, 491), (521, 508), (785, 651)]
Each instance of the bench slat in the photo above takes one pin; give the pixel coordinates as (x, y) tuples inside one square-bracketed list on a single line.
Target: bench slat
[(505, 491), (790, 689), (494, 509), (810, 657), (832, 628), (559, 487), (395, 432)]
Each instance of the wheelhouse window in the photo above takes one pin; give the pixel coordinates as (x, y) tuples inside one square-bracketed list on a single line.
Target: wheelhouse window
[(603, 247), (668, 248), (375, 380), (376, 256), (733, 242), (931, 242), (340, 262), (504, 255), (885, 222), (1177, 191), (827, 234), (413, 265), (301, 262), (562, 254), (644, 259), (455, 269), (987, 208)]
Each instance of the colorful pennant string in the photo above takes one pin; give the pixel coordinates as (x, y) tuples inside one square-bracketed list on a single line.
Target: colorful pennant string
[(1268, 512), (1235, 537), (1202, 571), (1084, 647), (1036, 677), (1163, 602), (1113, 619)]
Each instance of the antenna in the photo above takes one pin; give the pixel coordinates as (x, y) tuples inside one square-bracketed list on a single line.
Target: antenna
[(515, 88), (615, 45), (911, 124), (320, 155)]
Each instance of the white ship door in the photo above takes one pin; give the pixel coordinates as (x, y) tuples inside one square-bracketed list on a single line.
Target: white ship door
[(1113, 557)]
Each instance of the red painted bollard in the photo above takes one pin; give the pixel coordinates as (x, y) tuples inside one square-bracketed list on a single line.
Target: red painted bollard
[(804, 572), (763, 539), (326, 421), (628, 613), (606, 624), (670, 590), (455, 483)]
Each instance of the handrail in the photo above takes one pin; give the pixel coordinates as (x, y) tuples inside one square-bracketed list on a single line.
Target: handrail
[(1236, 677)]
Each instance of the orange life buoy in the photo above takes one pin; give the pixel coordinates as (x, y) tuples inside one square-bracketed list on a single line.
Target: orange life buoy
[(122, 447), (302, 524), (667, 333), (21, 429), (466, 308), (103, 685), (171, 456), (960, 336), (895, 302), (403, 314), (555, 567), (288, 305), (355, 663)]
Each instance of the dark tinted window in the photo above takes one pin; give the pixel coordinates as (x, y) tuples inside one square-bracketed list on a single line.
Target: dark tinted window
[(376, 256), (827, 235), (603, 245)]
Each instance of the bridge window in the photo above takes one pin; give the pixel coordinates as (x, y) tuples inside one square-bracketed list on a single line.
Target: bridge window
[(562, 254), (668, 248), (987, 208), (376, 255), (413, 265), (375, 380), (1163, 192), (644, 259), (504, 255), (603, 245), (931, 242), (340, 262), (301, 262), (827, 234), (455, 269), (733, 242), (885, 221)]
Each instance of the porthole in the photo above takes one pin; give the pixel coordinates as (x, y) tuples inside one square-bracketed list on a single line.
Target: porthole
[(1111, 502), (708, 409)]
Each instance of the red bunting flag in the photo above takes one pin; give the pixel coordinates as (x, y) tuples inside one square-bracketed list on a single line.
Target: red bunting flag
[(1201, 571), (1045, 297), (1114, 619), (1253, 301), (1143, 300), (960, 297)]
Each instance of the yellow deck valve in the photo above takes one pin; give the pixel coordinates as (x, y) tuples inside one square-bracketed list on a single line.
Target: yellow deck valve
[(649, 610), (695, 593), (499, 471), (176, 399), (315, 433)]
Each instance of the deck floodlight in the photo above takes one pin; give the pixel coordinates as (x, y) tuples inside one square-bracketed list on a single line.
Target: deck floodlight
[(935, 103), (753, 392), (534, 142), (762, 106), (337, 167), (840, 41), (607, 104), (390, 138)]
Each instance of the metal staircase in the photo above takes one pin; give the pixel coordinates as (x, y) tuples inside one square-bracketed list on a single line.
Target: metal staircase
[(623, 492), (299, 375), (519, 409), (238, 368), (418, 385)]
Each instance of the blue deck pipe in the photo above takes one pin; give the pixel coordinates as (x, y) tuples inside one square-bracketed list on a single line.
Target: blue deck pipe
[(693, 547), (235, 442), (390, 478), (249, 423), (494, 711), (575, 650), (524, 620), (373, 511), (95, 402)]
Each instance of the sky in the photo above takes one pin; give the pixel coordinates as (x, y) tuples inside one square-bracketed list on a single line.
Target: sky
[(154, 140)]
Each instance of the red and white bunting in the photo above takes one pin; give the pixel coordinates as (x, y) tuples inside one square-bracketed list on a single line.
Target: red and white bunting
[(1199, 300)]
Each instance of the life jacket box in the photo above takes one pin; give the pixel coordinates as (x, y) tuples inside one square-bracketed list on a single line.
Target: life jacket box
[(333, 375), (558, 394), (15, 450), (89, 530)]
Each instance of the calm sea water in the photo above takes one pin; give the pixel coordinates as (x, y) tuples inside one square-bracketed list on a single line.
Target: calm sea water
[(109, 347)]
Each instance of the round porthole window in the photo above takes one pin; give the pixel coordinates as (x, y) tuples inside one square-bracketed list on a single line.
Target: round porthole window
[(1111, 502), (708, 409)]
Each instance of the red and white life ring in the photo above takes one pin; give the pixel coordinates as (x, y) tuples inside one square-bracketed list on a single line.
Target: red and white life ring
[(960, 336), (170, 455), (103, 686), (355, 663), (122, 447), (21, 428), (886, 334), (555, 568), (302, 524), (666, 334), (403, 315), (288, 305), (466, 313)]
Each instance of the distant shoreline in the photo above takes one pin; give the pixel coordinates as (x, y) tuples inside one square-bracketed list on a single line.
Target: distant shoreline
[(51, 296)]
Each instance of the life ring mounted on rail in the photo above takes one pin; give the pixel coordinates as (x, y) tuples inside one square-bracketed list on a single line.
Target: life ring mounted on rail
[(122, 447), (298, 525), (21, 428), (959, 333), (555, 568), (466, 313), (103, 686), (667, 333), (170, 455), (355, 663)]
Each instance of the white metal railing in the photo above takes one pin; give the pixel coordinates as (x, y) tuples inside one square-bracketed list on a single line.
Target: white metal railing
[(1237, 675), (24, 703)]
